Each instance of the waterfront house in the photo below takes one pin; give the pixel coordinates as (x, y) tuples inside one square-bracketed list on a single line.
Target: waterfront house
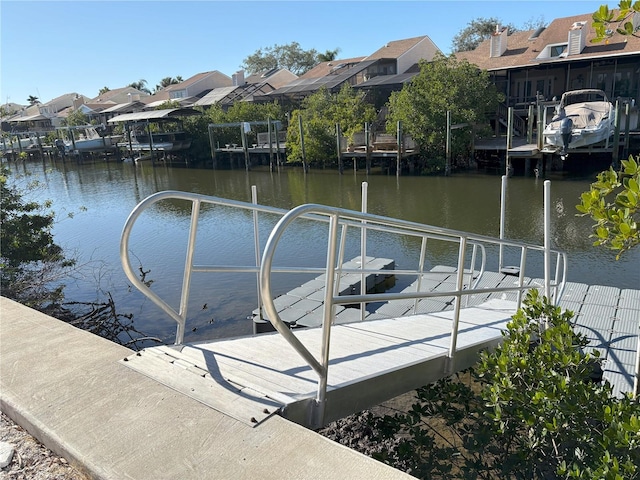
[(246, 89), (538, 65), (392, 61), (120, 95), (191, 89), (45, 116)]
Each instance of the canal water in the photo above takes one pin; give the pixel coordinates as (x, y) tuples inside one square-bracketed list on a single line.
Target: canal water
[(101, 196)]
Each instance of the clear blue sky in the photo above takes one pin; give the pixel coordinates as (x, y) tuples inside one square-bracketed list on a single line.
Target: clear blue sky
[(49, 48)]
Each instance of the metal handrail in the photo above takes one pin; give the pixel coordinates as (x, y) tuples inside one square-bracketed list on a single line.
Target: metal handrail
[(339, 221), (197, 200), (338, 216)]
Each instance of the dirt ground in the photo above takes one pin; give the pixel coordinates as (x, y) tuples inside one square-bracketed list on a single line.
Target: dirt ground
[(32, 460)]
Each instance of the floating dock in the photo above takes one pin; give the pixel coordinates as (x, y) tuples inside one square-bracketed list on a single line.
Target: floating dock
[(302, 306), (399, 347)]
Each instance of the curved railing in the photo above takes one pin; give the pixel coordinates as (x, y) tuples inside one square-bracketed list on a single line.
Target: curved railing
[(339, 220), (469, 268)]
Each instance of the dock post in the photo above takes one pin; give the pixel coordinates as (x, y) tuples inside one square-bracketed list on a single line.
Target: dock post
[(367, 143), (547, 239), (270, 136), (508, 169), (256, 243), (539, 128), (503, 208), (625, 148), (399, 147), (447, 167), (243, 136), (338, 149), (153, 155), (530, 125), (615, 155), (363, 249)]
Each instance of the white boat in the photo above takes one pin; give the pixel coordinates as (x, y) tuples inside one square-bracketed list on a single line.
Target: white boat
[(86, 139), (583, 117), (20, 142), (160, 141)]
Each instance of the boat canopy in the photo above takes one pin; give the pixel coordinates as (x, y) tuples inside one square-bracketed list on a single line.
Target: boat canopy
[(155, 115)]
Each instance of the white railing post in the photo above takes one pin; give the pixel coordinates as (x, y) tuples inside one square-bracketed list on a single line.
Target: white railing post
[(547, 239), (363, 248), (458, 301), (503, 201), (256, 243), (188, 267)]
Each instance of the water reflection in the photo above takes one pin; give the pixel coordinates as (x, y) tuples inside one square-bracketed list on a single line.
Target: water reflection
[(109, 191)]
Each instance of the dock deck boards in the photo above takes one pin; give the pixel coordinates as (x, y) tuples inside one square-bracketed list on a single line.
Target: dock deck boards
[(360, 352), (399, 347)]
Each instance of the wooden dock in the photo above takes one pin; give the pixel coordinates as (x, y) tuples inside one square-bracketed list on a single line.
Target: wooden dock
[(399, 347)]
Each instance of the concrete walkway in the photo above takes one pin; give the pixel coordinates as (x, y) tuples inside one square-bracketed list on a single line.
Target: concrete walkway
[(68, 389)]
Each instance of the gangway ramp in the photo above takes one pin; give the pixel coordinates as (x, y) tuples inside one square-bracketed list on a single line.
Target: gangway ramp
[(251, 378), (317, 374)]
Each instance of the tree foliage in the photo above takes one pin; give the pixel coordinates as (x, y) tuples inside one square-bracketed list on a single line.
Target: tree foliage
[(77, 117), (166, 81), (530, 410), (613, 202), (30, 260), (33, 100), (607, 23), (140, 85), (445, 84), (103, 90), (476, 32), (328, 56), (290, 56), (320, 113)]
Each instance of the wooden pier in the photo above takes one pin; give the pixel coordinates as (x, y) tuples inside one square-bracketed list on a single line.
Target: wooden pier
[(400, 346)]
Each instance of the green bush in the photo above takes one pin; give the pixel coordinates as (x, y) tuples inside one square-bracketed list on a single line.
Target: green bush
[(529, 409)]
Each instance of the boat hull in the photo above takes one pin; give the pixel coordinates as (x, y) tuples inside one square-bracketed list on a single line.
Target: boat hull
[(580, 124)]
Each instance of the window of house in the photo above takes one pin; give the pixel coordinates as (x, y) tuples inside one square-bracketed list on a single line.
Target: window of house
[(557, 50), (623, 84)]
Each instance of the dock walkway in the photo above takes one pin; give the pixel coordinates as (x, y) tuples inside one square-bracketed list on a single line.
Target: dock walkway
[(399, 347)]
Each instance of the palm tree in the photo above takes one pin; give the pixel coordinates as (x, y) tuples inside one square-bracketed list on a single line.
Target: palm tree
[(328, 56), (166, 81), (140, 85), (33, 100)]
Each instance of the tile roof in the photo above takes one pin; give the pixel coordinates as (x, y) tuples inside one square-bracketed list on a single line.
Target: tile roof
[(522, 50)]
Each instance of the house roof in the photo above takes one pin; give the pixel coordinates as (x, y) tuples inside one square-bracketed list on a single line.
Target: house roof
[(309, 85), (168, 114), (395, 48), (325, 68), (215, 95), (190, 81), (120, 107), (524, 48), (29, 118), (107, 96), (387, 80)]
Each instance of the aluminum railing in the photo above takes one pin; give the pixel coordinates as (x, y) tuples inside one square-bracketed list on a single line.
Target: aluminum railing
[(469, 268), (339, 220)]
